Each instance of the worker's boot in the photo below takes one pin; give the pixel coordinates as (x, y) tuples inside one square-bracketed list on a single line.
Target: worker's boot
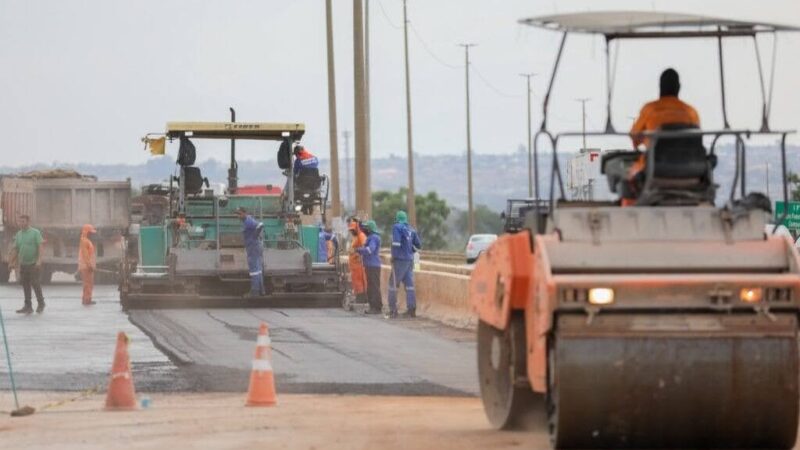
[(40, 308), (391, 315), (27, 309), (411, 313)]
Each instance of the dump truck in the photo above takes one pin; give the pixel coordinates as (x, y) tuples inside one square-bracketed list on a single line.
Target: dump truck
[(59, 203), (671, 323), (196, 258)]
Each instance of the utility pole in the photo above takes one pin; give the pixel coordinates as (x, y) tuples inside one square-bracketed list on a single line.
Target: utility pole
[(333, 132), (347, 183), (528, 77), (367, 104), (233, 170), (362, 161), (583, 110), (470, 210), (768, 180), (411, 196)]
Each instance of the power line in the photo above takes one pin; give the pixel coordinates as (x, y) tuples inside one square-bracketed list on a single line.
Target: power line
[(386, 16), (429, 51), (491, 86)]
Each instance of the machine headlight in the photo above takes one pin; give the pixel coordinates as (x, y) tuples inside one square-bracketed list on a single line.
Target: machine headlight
[(751, 295), (601, 296), (298, 208)]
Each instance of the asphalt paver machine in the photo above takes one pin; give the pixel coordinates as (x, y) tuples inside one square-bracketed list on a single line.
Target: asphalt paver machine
[(196, 258), (672, 323)]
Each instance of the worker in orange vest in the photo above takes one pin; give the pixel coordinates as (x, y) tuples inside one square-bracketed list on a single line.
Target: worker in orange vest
[(87, 263), (667, 110), (358, 275)]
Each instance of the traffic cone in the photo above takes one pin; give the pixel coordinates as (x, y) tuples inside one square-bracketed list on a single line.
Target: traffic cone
[(262, 380), (121, 395)]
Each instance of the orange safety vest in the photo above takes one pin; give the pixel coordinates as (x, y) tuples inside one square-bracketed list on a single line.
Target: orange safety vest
[(358, 275)]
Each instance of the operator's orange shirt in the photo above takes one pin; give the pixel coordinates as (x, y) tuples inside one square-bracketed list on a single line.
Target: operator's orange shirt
[(665, 110), (654, 115)]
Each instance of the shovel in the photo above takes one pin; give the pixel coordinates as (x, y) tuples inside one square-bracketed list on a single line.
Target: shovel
[(25, 410)]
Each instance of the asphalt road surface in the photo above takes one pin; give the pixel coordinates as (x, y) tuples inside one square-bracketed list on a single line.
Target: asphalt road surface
[(70, 347), (315, 351)]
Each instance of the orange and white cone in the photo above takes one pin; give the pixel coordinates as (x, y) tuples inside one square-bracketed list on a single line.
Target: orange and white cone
[(121, 394), (262, 380)]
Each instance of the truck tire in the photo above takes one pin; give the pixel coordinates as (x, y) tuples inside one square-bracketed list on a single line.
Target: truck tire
[(5, 273)]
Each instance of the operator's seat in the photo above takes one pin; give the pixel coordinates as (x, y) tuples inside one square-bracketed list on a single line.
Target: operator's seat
[(192, 177), (308, 180), (194, 180), (678, 170)]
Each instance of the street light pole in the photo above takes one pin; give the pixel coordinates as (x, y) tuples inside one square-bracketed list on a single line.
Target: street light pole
[(367, 106), (583, 110), (233, 170), (333, 132), (411, 196), (470, 210), (362, 161), (347, 180), (528, 77)]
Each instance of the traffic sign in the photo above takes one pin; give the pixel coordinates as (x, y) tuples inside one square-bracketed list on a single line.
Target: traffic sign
[(792, 220)]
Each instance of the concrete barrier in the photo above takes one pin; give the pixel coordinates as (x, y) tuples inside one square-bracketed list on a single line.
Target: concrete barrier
[(442, 292), (441, 296)]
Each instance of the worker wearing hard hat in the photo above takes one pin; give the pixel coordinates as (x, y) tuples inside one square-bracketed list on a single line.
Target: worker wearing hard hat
[(87, 263), (667, 110), (326, 245), (252, 232), (405, 242), (358, 276), (370, 253)]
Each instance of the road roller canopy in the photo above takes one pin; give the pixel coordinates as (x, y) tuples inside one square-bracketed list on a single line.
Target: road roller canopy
[(623, 25), (236, 130), (652, 24)]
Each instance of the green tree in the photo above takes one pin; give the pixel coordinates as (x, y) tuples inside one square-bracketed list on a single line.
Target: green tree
[(486, 221), (432, 212), (794, 186)]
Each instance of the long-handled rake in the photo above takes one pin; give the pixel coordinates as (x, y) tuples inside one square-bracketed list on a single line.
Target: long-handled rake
[(25, 410)]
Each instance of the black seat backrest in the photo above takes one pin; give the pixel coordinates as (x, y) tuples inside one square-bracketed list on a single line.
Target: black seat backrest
[(194, 180), (285, 155), (679, 156), (308, 179), (186, 152)]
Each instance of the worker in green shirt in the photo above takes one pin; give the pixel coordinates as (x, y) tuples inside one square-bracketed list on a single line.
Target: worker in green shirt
[(26, 256)]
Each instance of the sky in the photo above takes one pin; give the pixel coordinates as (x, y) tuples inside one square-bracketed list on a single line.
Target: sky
[(83, 81)]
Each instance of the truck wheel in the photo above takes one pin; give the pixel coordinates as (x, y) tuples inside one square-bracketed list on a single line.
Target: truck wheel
[(5, 273), (509, 403)]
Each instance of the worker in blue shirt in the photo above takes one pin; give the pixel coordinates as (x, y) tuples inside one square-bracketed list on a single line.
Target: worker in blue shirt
[(304, 160), (405, 242), (370, 253), (325, 237), (252, 230)]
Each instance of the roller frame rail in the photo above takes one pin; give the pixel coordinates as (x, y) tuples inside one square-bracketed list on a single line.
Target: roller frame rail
[(677, 359)]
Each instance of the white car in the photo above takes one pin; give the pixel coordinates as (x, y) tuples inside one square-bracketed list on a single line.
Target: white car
[(477, 244)]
